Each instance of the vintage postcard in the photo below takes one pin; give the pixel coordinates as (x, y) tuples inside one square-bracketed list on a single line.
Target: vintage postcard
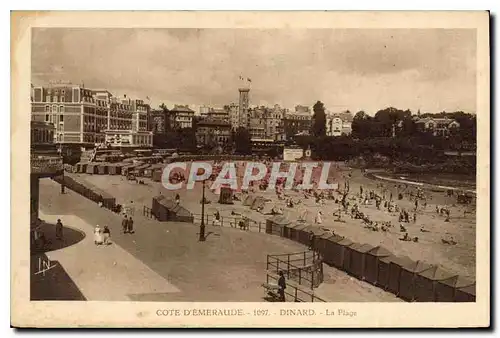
[(250, 169)]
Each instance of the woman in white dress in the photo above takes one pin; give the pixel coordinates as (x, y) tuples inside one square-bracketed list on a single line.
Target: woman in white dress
[(98, 236), (318, 218)]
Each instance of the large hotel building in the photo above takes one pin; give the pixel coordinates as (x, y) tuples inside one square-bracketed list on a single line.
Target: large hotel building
[(86, 117)]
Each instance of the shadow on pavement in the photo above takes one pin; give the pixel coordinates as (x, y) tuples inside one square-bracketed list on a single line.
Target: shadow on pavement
[(71, 236), (49, 281)]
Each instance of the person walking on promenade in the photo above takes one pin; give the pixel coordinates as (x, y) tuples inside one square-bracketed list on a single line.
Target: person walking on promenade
[(125, 224), (281, 286), (106, 234), (59, 230), (130, 227), (97, 235)]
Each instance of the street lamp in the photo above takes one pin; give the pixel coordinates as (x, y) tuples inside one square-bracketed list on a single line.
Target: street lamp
[(202, 225), (60, 151)]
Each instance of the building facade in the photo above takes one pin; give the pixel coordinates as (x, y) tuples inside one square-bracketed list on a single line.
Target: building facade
[(234, 116), (266, 123), (158, 121), (338, 124), (297, 122), (81, 116), (181, 116), (129, 138), (213, 132), (437, 126)]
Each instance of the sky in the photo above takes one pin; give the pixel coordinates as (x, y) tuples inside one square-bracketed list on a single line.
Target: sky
[(430, 70)]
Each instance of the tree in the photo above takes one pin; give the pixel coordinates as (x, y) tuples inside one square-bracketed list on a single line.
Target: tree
[(319, 120), (243, 141), (361, 125), (166, 114)]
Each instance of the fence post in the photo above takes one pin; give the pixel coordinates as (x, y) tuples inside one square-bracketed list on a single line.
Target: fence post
[(300, 275), (288, 266), (277, 265), (221, 221), (259, 227), (295, 294), (304, 258), (267, 264), (312, 277)]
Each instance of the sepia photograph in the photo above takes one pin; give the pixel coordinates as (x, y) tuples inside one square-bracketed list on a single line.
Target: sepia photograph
[(229, 164)]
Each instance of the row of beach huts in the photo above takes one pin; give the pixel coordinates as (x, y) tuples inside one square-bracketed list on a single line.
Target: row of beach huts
[(150, 167), (413, 281)]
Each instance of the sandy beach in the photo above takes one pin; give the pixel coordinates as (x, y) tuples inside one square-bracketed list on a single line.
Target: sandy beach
[(458, 258)]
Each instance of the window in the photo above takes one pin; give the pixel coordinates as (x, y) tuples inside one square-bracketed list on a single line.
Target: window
[(61, 109), (46, 117), (62, 98), (47, 108), (61, 118), (47, 98)]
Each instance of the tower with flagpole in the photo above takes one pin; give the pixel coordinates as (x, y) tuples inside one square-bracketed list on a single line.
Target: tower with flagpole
[(244, 89)]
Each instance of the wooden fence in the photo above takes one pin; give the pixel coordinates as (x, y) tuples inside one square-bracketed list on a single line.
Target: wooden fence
[(294, 292), (306, 268)]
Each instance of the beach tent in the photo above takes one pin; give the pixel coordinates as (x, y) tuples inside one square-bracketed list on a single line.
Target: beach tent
[(157, 174), (395, 272), (103, 168), (334, 253), (330, 250), (287, 230), (249, 200), (407, 280), (466, 293), (445, 289), (115, 168), (125, 168), (358, 253), (130, 168), (226, 195), (383, 269), (295, 230), (322, 241), (148, 172), (305, 233), (426, 281), (139, 170), (276, 224), (165, 209), (345, 253), (258, 203), (92, 168), (81, 167), (372, 263)]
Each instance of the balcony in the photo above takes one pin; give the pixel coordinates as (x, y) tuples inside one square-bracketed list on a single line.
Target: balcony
[(46, 165)]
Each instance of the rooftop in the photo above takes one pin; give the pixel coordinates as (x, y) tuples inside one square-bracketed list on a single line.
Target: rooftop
[(180, 108)]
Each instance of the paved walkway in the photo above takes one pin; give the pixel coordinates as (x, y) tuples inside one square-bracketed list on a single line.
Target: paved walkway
[(105, 273)]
